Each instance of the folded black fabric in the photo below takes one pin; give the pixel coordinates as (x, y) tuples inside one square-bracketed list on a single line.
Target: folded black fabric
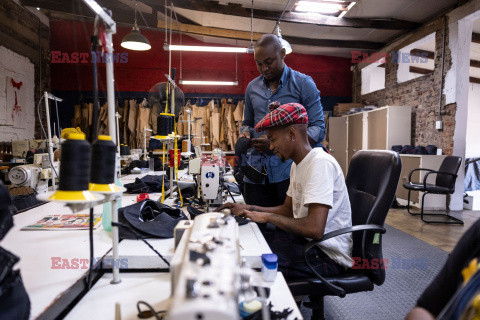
[(149, 219), (147, 184), (195, 212)]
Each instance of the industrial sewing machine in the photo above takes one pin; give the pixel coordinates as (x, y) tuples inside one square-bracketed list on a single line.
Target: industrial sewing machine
[(208, 279), (209, 172), (34, 175)]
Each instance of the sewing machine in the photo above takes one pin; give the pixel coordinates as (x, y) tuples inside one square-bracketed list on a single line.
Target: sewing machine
[(208, 279), (34, 175), (209, 172)]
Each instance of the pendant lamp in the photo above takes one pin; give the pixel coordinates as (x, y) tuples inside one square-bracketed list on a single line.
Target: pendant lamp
[(135, 40)]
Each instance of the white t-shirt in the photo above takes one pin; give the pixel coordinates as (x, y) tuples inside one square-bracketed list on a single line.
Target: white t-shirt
[(318, 178)]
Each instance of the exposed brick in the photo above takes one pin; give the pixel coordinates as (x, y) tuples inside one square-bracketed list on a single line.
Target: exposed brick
[(422, 94), (19, 40)]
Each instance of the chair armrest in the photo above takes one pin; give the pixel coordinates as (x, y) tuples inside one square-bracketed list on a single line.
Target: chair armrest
[(363, 227), (418, 169), (436, 172)]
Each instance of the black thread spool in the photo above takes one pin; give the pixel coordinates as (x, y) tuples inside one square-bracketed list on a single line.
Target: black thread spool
[(172, 123), (103, 161), (75, 163), (163, 125)]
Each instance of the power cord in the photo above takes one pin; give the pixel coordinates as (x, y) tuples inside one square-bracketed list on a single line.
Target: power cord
[(45, 135), (139, 237), (150, 312)]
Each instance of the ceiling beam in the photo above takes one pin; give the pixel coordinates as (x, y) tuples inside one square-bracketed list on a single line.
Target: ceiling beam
[(245, 35), (235, 9)]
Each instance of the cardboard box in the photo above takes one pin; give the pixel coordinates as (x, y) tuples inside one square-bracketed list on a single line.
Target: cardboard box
[(342, 108)]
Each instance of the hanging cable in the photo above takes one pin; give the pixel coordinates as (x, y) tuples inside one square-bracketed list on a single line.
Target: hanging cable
[(251, 26), (166, 18), (141, 14), (281, 16), (236, 62)]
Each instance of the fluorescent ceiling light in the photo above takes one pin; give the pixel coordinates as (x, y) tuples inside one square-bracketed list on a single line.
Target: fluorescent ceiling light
[(209, 83), (318, 7), (174, 47), (348, 8)]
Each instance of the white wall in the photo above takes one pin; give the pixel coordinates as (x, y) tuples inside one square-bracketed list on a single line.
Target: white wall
[(373, 78), (472, 149), (21, 69)]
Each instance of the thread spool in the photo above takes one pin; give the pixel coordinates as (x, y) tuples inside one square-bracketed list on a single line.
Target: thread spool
[(163, 125), (185, 145), (75, 163), (103, 161)]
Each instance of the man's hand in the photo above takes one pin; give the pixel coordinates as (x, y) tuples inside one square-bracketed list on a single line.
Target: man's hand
[(256, 216), (235, 208), (261, 144)]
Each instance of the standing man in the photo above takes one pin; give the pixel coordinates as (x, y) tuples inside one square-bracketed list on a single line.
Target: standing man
[(277, 82)]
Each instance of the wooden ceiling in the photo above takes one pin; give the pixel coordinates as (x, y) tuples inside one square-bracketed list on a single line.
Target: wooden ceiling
[(230, 20)]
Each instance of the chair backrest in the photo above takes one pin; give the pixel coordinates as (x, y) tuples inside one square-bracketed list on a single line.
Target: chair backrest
[(371, 181), (450, 164)]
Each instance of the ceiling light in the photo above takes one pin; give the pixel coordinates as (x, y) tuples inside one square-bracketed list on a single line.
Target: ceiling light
[(38, 8), (209, 83), (348, 8), (174, 47), (135, 40), (318, 7)]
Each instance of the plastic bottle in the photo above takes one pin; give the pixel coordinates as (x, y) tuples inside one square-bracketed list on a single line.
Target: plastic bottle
[(107, 211)]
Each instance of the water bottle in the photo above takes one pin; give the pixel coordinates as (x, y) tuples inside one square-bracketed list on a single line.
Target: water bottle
[(107, 210)]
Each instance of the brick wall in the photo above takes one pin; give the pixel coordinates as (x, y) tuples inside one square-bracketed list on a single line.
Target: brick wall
[(23, 33), (422, 94)]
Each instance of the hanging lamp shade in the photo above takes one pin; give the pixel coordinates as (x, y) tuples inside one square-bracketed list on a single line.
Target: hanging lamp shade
[(136, 41)]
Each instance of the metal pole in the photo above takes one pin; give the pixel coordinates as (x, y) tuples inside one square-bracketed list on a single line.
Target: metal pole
[(116, 265), (49, 133), (117, 116), (110, 89)]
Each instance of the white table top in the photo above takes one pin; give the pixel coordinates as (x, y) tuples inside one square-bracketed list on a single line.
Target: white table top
[(37, 248), (139, 256), (44, 284), (153, 288)]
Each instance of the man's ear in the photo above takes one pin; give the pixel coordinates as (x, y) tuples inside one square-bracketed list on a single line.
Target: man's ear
[(292, 133), (283, 53)]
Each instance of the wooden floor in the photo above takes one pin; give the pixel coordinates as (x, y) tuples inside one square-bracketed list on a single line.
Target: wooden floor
[(439, 235)]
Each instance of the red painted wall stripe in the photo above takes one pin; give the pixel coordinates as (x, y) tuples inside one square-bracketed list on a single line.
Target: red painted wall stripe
[(143, 69)]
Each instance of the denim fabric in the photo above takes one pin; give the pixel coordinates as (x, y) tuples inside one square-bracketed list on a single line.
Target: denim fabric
[(293, 87)]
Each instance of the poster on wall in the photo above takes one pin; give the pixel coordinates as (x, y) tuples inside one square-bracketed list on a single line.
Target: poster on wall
[(16, 108)]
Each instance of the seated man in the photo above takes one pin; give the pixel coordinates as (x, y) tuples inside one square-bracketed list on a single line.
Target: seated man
[(317, 200), (462, 262)]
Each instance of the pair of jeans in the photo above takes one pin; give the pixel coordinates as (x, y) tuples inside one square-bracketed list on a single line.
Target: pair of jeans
[(289, 249), (266, 195)]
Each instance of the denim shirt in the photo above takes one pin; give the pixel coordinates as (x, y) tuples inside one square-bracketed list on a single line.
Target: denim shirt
[(293, 87)]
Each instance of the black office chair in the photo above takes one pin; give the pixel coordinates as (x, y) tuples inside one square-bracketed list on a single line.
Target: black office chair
[(444, 184), (371, 182)]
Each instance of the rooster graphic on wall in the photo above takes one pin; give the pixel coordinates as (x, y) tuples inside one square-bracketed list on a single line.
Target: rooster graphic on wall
[(15, 103)]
